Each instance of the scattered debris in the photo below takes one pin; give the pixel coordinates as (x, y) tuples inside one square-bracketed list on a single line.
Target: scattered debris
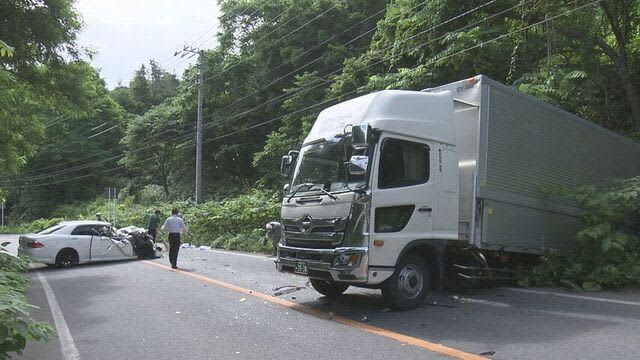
[(177, 312), (487, 353), (364, 318), (287, 289), (243, 299)]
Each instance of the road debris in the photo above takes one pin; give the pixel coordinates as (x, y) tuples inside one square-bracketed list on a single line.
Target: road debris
[(364, 318), (186, 246), (286, 289), (204, 247), (243, 299), (487, 353)]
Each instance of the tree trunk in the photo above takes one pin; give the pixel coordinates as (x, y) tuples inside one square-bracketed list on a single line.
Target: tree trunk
[(632, 97)]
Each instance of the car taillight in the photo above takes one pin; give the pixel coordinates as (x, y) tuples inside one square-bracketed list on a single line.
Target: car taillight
[(35, 244)]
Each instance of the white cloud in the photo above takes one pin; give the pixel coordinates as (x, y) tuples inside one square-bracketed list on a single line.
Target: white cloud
[(127, 33)]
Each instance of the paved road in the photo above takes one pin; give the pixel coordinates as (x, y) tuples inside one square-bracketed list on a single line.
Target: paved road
[(222, 306)]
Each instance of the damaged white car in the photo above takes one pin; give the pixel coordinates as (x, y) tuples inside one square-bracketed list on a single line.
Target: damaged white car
[(77, 242)]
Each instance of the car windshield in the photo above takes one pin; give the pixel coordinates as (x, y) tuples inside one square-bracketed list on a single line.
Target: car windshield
[(323, 165), (51, 229)]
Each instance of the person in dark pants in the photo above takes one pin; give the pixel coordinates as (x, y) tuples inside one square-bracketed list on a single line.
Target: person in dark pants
[(175, 226), (153, 225)]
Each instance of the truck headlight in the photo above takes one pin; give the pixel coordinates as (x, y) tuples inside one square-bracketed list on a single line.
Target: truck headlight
[(347, 260)]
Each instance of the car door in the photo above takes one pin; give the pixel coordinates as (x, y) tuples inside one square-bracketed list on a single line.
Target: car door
[(106, 247), (80, 240), (403, 197)]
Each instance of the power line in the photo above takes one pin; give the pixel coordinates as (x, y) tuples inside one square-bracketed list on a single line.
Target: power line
[(420, 45), (302, 90)]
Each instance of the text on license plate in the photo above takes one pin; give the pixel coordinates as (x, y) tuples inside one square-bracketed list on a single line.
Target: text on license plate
[(302, 267)]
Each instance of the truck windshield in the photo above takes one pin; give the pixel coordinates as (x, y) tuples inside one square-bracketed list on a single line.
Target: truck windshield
[(323, 165)]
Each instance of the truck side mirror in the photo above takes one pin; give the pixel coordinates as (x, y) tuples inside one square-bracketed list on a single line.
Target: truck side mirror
[(360, 136), (285, 165), (287, 161), (358, 165)]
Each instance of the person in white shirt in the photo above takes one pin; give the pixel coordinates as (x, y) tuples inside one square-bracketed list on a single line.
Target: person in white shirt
[(175, 226)]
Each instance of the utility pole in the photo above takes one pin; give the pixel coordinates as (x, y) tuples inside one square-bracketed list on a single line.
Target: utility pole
[(200, 83), (199, 128)]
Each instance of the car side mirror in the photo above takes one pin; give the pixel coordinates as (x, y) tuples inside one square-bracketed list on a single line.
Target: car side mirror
[(285, 188), (358, 165), (360, 136)]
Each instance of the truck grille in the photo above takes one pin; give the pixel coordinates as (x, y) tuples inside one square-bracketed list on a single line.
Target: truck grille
[(308, 232)]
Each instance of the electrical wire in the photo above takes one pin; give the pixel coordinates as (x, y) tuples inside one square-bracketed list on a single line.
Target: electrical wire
[(431, 61)]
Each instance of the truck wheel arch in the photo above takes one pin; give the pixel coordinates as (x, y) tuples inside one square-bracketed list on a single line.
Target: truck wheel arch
[(433, 251)]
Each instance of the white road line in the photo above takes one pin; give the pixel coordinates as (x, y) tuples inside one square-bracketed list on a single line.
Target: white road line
[(69, 350), (572, 296)]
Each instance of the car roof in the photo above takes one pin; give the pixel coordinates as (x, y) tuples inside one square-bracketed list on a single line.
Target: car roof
[(84, 222)]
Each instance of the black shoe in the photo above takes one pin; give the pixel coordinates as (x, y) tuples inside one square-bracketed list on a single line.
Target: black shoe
[(174, 266)]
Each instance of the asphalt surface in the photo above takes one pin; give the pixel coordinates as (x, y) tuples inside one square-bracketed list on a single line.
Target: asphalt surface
[(139, 310)]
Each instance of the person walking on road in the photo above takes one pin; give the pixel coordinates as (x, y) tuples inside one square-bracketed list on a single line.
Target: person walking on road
[(175, 226)]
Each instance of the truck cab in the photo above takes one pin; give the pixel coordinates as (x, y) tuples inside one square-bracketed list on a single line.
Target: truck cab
[(372, 197)]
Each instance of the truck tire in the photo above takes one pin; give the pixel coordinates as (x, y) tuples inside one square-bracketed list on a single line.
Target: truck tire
[(409, 284), (66, 258), (329, 289)]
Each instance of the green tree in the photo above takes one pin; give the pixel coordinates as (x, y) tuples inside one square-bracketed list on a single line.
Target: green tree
[(151, 142)]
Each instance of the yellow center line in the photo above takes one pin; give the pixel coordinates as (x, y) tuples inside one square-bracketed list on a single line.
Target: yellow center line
[(406, 339)]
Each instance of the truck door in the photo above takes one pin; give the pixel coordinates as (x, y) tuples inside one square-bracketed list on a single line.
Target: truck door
[(403, 197)]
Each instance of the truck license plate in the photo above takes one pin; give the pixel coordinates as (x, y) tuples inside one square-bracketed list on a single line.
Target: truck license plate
[(302, 267)]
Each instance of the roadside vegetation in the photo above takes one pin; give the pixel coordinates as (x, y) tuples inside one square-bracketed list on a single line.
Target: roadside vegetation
[(608, 251), (16, 327), (65, 136)]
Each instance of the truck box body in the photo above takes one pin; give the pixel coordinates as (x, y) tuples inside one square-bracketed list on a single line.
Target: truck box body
[(517, 155)]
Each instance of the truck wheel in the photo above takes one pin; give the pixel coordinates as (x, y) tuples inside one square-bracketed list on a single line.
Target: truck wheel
[(409, 284), (66, 258), (329, 289)]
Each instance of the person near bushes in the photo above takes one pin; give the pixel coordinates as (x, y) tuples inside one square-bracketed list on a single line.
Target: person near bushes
[(152, 228), (274, 232), (175, 226)]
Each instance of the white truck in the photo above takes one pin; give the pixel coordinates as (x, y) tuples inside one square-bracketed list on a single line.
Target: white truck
[(399, 190)]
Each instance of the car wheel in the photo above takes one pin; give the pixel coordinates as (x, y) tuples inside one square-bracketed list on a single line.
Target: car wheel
[(409, 284), (329, 289), (67, 258)]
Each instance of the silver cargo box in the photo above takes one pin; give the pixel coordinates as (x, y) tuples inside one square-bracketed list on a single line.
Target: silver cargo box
[(516, 154)]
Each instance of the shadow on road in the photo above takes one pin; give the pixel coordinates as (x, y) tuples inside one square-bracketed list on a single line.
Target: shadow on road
[(486, 316)]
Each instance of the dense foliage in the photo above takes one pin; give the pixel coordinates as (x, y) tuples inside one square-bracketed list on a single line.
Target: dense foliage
[(16, 328), (608, 254), (275, 65)]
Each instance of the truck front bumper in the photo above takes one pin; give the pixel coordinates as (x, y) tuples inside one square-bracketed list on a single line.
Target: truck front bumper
[(320, 263)]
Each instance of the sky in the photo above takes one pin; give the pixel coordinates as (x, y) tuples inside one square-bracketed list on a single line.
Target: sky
[(127, 33)]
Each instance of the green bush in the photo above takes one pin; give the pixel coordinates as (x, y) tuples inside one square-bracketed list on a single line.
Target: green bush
[(608, 250), (16, 327), (232, 224)]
